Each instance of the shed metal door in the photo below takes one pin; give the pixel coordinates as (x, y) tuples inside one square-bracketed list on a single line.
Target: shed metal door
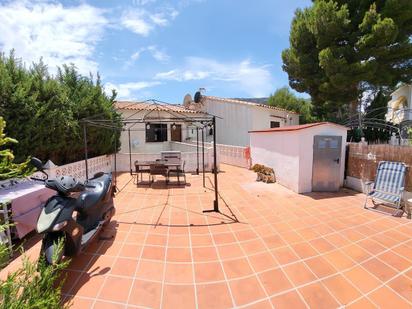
[(326, 163)]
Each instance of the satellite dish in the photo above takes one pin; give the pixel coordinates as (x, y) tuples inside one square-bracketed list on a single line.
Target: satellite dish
[(187, 100), (198, 97)]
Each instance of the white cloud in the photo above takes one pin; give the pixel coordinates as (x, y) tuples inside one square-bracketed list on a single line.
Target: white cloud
[(249, 78), (52, 31), (136, 55), (143, 22), (158, 54), (153, 50), (136, 22), (129, 90)]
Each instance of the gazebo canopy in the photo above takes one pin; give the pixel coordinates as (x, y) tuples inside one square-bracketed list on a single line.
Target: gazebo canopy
[(158, 111)]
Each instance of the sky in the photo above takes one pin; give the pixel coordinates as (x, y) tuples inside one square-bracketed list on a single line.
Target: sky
[(157, 49)]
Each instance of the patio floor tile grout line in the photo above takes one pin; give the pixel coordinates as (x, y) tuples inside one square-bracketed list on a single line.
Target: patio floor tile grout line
[(84, 268), (250, 265), (226, 280), (247, 241), (303, 260), (370, 258), (166, 250), (371, 229), (113, 263), (277, 267), (361, 266), (192, 257), (140, 259), (282, 270), (385, 284)]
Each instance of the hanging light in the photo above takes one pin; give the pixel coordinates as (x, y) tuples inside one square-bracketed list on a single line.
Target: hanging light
[(173, 126), (148, 126)]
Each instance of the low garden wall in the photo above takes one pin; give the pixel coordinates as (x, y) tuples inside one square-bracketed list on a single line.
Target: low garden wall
[(78, 169), (234, 155), (363, 160), (227, 154)]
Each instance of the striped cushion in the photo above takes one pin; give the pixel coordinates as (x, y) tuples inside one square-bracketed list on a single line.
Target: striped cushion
[(385, 196), (390, 177)]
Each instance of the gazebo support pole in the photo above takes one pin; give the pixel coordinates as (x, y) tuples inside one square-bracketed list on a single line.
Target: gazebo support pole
[(197, 151), (203, 157), (86, 154), (115, 160), (216, 201), (130, 153)]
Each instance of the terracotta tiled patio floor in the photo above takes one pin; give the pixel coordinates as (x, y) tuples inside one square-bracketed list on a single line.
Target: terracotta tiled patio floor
[(286, 251)]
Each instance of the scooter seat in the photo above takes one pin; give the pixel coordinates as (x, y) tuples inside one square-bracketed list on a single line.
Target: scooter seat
[(95, 192)]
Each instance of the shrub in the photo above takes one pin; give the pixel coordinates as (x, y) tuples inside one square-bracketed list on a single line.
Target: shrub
[(8, 169), (34, 286), (43, 112)]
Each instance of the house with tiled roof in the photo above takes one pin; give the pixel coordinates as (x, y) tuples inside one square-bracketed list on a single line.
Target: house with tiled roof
[(236, 117), (400, 105), (149, 129)]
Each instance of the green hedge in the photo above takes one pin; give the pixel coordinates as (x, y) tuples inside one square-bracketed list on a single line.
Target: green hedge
[(42, 111)]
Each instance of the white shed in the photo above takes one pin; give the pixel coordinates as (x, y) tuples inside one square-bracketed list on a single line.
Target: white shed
[(305, 158)]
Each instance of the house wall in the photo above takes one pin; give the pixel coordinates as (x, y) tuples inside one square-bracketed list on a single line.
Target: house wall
[(263, 116), (405, 91), (290, 154), (237, 119), (233, 122), (138, 134), (279, 151)]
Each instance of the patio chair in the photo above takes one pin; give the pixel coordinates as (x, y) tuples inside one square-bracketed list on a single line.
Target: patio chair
[(141, 170), (388, 186), (177, 172), (159, 169)]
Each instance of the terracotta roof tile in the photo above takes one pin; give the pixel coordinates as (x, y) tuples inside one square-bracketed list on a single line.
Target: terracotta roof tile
[(250, 103), (148, 106)]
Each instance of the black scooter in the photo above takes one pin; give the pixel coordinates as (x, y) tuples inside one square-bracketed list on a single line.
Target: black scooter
[(93, 203)]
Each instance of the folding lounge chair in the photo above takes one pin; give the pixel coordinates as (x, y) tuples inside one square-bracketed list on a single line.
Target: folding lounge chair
[(388, 186)]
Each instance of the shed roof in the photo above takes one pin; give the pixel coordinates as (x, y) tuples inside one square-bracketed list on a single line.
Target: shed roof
[(250, 103), (299, 127)]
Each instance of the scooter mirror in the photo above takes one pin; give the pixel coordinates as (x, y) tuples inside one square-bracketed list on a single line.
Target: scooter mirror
[(37, 163)]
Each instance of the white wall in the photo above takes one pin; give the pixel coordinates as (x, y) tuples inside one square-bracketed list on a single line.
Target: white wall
[(279, 151), (238, 119), (290, 154), (138, 134), (263, 116), (234, 123)]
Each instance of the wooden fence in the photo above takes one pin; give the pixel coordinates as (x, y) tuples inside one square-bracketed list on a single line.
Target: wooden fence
[(363, 160)]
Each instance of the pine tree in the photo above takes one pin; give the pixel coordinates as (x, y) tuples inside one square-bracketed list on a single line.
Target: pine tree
[(340, 49)]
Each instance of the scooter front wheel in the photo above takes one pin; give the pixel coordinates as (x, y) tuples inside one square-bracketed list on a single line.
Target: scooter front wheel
[(52, 248)]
